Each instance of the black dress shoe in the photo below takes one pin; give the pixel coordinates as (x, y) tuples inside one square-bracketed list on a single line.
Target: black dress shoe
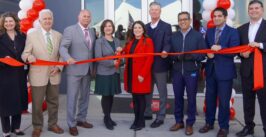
[(133, 126), (108, 123), (139, 127), (148, 117), (112, 122), (18, 132), (156, 123), (222, 133), (245, 131)]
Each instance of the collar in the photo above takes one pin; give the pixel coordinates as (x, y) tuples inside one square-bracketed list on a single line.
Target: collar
[(186, 31), (44, 31), (257, 22), (154, 25), (221, 28), (83, 28)]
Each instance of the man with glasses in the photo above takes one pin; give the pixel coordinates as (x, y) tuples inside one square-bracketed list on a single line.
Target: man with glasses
[(185, 71), (220, 72)]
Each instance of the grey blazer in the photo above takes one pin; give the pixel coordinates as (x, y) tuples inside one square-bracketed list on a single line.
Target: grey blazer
[(103, 49), (74, 45)]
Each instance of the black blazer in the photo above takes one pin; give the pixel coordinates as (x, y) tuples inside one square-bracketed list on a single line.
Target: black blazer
[(246, 67), (13, 85)]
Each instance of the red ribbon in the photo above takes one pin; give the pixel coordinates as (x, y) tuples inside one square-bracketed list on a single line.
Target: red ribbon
[(258, 64)]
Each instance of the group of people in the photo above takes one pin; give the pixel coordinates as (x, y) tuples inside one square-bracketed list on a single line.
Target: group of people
[(79, 42)]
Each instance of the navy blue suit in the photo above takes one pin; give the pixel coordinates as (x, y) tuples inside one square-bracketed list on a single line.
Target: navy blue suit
[(185, 73), (220, 72), (160, 36)]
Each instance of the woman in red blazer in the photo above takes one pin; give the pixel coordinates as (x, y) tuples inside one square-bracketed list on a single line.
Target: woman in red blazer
[(137, 74)]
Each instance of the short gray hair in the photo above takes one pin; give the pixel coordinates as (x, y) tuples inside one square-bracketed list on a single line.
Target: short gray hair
[(45, 11), (155, 4)]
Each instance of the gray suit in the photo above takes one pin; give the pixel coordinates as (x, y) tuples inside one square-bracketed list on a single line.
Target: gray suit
[(74, 45), (103, 49)]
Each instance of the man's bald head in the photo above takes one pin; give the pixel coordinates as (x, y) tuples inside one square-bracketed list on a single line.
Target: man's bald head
[(84, 18)]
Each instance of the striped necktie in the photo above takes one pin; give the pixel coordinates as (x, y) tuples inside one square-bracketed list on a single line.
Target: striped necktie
[(49, 43)]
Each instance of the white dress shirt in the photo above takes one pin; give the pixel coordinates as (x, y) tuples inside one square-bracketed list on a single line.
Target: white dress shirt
[(252, 31), (154, 25), (45, 36)]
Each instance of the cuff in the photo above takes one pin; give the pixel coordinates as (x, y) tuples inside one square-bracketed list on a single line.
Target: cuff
[(261, 45)]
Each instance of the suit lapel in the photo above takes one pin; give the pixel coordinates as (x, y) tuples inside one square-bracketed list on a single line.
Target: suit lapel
[(258, 35), (80, 32), (19, 42), (223, 36), (8, 44), (157, 29), (54, 41), (212, 36), (107, 45), (42, 41), (245, 34), (91, 36)]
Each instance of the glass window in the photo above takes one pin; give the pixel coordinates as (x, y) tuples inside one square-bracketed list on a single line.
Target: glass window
[(241, 9), (126, 12), (97, 10), (170, 10)]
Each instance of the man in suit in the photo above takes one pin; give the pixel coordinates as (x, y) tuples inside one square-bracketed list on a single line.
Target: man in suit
[(77, 44), (220, 72), (160, 32), (44, 44), (185, 71), (252, 34)]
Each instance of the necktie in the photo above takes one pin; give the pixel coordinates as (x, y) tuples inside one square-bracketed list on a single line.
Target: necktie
[(87, 38), (217, 36), (49, 43)]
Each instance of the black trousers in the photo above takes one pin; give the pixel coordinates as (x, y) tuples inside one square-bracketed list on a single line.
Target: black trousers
[(10, 123), (249, 98), (107, 103), (139, 103)]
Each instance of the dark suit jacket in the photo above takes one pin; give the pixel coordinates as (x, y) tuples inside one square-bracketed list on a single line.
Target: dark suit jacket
[(161, 42), (222, 64), (193, 41), (246, 67), (13, 85)]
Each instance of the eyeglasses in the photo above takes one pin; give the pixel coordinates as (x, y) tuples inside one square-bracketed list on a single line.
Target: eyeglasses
[(185, 19)]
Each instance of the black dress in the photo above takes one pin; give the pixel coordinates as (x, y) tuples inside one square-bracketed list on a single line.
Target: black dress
[(13, 85), (130, 61)]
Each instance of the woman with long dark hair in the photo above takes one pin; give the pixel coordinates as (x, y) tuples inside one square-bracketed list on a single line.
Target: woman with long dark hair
[(137, 74), (13, 85)]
